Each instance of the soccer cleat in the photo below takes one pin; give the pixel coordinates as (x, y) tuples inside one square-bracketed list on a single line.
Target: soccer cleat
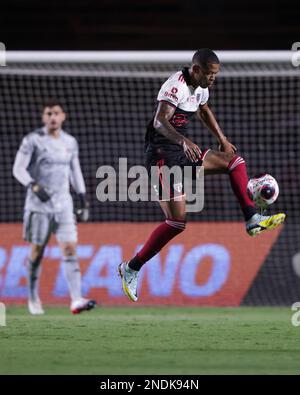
[(35, 307), (82, 304), (129, 281), (258, 223)]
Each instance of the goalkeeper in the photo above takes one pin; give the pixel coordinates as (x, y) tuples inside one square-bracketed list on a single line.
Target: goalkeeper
[(46, 163)]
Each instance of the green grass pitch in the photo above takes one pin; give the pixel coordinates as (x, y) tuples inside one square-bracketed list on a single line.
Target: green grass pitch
[(151, 340)]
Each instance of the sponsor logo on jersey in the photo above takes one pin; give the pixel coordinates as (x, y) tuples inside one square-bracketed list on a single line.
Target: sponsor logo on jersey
[(198, 97), (171, 95), (174, 90)]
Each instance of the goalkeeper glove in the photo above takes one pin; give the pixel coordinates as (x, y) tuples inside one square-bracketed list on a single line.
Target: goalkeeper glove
[(40, 192), (82, 212)]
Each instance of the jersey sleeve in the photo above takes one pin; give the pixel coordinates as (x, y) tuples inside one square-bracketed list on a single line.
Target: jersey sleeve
[(205, 96), (27, 145), (22, 161), (173, 91), (76, 177)]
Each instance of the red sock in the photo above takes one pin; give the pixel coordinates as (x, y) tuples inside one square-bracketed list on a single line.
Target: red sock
[(157, 240), (239, 180)]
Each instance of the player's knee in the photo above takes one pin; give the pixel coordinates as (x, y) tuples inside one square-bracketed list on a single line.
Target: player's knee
[(228, 158), (69, 249), (181, 216)]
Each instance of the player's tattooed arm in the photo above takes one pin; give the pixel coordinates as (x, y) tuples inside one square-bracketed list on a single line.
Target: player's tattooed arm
[(208, 119), (161, 123)]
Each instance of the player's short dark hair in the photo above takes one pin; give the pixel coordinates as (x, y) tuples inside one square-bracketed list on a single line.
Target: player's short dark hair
[(204, 57), (52, 103)]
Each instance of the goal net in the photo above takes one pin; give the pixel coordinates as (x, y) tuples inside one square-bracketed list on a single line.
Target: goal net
[(109, 103)]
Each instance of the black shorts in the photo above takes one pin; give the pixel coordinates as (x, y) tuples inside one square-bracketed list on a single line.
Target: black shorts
[(169, 186)]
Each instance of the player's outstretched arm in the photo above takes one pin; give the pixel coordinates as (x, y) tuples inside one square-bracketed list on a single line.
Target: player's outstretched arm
[(161, 123), (208, 118)]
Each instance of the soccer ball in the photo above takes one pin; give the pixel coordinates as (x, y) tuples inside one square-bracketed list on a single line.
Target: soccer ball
[(263, 190)]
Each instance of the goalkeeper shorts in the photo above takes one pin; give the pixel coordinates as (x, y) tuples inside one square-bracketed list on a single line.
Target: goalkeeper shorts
[(38, 227)]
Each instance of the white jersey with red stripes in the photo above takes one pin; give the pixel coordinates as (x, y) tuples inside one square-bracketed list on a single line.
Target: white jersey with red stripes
[(177, 91)]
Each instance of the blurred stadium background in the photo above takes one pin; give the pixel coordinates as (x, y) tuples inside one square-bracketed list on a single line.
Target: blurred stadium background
[(148, 24)]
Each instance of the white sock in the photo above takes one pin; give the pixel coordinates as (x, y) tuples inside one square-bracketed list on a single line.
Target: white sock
[(73, 276), (34, 272)]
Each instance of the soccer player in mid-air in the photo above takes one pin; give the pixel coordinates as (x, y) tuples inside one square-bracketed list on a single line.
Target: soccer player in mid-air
[(46, 163), (180, 97)]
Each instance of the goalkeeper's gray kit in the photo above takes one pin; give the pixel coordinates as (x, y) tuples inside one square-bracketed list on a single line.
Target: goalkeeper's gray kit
[(52, 163)]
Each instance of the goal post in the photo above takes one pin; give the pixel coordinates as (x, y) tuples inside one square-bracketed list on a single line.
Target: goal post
[(143, 56)]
